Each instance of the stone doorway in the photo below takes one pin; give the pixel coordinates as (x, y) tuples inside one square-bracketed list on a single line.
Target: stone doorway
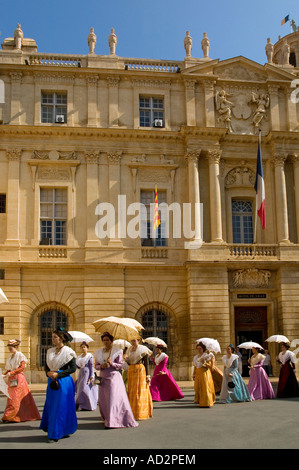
[(250, 325)]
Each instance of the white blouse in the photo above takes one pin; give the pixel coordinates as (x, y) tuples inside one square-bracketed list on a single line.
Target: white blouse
[(101, 355), (284, 357), (160, 358), (14, 361), (133, 357), (197, 359), (227, 361), (56, 361), (254, 360), (81, 360)]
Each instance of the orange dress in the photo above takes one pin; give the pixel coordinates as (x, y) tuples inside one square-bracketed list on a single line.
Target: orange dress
[(203, 383), (21, 405), (138, 389)]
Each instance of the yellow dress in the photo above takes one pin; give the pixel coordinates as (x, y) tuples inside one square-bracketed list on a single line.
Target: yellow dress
[(138, 389), (203, 382)]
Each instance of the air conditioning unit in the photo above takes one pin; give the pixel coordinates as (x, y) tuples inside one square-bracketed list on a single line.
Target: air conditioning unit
[(59, 118), (158, 123)]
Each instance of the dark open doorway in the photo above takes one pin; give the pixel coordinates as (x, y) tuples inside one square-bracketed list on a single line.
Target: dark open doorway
[(250, 325)]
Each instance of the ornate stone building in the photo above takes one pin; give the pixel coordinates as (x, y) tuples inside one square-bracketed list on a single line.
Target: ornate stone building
[(78, 131)]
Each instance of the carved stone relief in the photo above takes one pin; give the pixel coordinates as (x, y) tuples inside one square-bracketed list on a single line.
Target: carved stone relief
[(251, 277), (240, 176)]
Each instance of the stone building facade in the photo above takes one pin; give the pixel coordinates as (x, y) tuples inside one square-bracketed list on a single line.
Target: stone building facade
[(79, 131)]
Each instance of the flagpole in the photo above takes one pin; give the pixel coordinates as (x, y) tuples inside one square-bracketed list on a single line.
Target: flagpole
[(255, 215)]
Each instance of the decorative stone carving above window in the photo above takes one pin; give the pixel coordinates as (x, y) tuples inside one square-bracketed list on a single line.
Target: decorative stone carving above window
[(240, 176)]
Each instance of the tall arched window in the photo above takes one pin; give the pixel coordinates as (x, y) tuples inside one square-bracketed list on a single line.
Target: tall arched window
[(49, 321), (155, 323), (242, 218)]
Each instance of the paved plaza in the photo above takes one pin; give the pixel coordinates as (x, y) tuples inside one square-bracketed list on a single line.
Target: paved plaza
[(175, 426)]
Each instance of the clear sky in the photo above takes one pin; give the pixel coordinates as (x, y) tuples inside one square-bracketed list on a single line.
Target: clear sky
[(153, 29)]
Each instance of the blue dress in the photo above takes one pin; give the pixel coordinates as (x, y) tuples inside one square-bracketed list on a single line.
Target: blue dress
[(59, 417), (238, 392)]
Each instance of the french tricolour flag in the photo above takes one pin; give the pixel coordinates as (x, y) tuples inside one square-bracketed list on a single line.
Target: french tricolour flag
[(260, 187)]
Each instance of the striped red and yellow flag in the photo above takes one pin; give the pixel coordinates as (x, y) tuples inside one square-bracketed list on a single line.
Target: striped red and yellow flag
[(156, 222)]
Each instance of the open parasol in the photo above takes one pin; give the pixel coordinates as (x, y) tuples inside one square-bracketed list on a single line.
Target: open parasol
[(122, 343), (155, 341), (249, 345), (3, 298), (119, 328), (79, 337), (278, 339), (211, 344)]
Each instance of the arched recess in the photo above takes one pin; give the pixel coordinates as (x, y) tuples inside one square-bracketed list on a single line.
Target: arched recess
[(160, 320), (44, 319)]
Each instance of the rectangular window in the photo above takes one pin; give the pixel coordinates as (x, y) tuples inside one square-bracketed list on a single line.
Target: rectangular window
[(53, 216), (1, 325), (242, 219), (151, 112), (2, 203), (151, 237), (2, 274), (54, 107)]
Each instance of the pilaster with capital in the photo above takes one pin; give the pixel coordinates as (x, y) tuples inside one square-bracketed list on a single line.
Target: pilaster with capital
[(213, 157), (274, 107), (190, 102), (113, 83), (209, 93), (13, 196), (282, 225), (15, 110), (92, 194), (294, 157), (114, 186), (192, 158), (291, 110), (92, 83)]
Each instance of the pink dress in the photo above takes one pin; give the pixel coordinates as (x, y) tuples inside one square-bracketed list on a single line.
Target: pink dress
[(163, 386)]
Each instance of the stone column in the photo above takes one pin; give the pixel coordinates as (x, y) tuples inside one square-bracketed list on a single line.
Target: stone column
[(113, 100), (215, 195), (295, 160), (274, 107), (13, 197), (15, 102), (209, 91), (281, 199), (92, 82), (114, 159), (194, 190), (92, 196), (190, 102)]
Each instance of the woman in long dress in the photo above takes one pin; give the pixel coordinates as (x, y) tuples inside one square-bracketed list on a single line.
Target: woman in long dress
[(21, 405), (233, 386), (203, 381), (138, 380), (114, 405), (287, 384), (163, 387), (259, 385), (59, 417), (87, 392), (217, 374)]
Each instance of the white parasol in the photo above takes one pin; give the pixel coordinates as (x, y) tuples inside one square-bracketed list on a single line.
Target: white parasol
[(278, 339), (249, 345), (118, 327), (3, 298), (211, 344), (3, 385), (155, 341), (79, 337), (122, 343)]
